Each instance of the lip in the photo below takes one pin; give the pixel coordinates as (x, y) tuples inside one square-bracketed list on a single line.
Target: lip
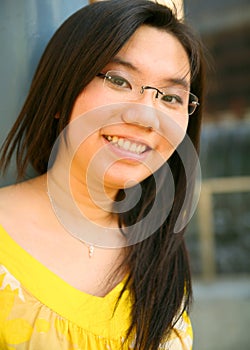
[(126, 154)]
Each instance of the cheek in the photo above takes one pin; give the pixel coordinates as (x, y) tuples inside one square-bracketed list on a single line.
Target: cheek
[(173, 133), (87, 101)]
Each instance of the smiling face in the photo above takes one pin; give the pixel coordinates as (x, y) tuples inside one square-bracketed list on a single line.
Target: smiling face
[(129, 141)]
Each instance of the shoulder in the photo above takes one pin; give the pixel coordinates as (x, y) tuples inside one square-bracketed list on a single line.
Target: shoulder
[(8, 209), (22, 191), (7, 196), (19, 203), (12, 204)]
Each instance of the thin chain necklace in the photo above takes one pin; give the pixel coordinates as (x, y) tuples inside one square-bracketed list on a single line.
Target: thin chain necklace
[(69, 211), (89, 245)]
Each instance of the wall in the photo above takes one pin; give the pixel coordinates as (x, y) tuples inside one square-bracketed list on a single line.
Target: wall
[(26, 26)]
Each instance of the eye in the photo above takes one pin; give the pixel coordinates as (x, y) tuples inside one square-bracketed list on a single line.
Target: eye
[(118, 81), (172, 99)]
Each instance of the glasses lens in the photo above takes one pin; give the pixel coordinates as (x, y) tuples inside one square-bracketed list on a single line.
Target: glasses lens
[(118, 81), (175, 100), (172, 100)]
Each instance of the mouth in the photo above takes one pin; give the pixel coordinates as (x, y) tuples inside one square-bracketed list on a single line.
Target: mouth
[(127, 145)]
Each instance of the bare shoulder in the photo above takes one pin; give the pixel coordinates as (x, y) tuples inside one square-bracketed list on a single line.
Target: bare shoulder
[(11, 195), (8, 197), (19, 202)]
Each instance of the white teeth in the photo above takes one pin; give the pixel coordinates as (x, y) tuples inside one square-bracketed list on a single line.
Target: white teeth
[(138, 149), (126, 144), (133, 147), (120, 142)]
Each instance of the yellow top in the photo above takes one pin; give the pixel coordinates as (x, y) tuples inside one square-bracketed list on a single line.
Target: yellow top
[(40, 311)]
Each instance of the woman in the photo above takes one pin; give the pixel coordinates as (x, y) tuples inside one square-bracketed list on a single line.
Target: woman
[(90, 257)]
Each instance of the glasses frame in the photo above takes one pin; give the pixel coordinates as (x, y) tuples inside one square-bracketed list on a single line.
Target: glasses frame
[(192, 105)]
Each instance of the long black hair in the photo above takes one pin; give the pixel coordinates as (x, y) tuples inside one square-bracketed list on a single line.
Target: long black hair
[(159, 273)]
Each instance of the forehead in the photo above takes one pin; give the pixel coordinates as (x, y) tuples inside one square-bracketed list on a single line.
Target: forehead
[(154, 54)]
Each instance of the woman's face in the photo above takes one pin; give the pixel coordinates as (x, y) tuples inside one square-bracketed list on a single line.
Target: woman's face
[(130, 135)]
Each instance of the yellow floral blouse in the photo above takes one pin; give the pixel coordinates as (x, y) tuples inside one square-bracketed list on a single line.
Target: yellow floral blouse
[(40, 311)]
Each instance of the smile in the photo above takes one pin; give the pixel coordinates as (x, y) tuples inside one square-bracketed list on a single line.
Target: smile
[(127, 145)]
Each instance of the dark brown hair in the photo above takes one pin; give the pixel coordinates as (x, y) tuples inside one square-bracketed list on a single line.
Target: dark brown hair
[(159, 275)]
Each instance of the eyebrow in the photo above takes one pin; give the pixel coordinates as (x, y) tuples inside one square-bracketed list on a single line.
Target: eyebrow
[(124, 63), (180, 81), (174, 81)]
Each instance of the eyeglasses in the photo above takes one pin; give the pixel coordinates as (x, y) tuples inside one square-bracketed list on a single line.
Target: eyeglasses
[(172, 99)]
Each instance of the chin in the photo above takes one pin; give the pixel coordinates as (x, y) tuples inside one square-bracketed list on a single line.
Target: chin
[(124, 180)]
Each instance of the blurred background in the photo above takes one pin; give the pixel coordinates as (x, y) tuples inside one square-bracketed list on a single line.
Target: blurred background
[(219, 233)]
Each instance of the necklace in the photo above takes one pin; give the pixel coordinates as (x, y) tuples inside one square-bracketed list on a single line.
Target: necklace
[(88, 244), (90, 234), (90, 247)]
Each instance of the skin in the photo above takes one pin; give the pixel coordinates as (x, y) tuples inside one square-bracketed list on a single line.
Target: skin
[(154, 58)]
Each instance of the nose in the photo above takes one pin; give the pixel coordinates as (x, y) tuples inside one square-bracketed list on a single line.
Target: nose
[(142, 115)]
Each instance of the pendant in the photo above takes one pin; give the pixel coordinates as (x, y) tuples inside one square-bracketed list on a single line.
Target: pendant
[(91, 251)]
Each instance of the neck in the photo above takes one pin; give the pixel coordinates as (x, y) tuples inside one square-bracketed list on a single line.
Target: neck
[(94, 202), (77, 207)]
